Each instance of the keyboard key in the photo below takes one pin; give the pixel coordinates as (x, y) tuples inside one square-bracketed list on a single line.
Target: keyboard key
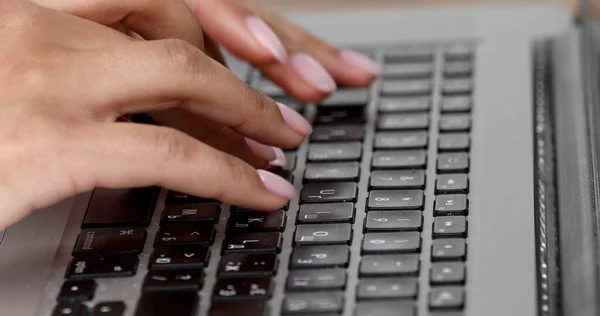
[(447, 273), (450, 204), (405, 54), (105, 240), (347, 97), (174, 197), (311, 303), (404, 104), (401, 140), (459, 52), (328, 212), (396, 199), (173, 280), (256, 221), (253, 243), (102, 266), (406, 87), (198, 234), (456, 104), (393, 221), (385, 308), (335, 151), (449, 226), (243, 289), (458, 69), (398, 179), (411, 121), (329, 192), (452, 183), (407, 70), (340, 171), (319, 234), (448, 249), (246, 265), (349, 115), (121, 207), (386, 288), (172, 303), (455, 123), (72, 291), (188, 257), (250, 308), (454, 142), (291, 161), (69, 309), (453, 163), (109, 309), (391, 242), (399, 159), (316, 280), (176, 213), (320, 256), (448, 297), (389, 265), (334, 133), (285, 174)]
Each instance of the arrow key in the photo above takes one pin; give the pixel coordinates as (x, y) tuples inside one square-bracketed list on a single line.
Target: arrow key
[(447, 273), (185, 234), (176, 280), (188, 257), (450, 297)]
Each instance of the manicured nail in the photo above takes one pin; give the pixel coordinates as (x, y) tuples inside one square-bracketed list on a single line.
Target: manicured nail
[(280, 159), (296, 121), (277, 184), (360, 61), (310, 70), (263, 33), (261, 150)]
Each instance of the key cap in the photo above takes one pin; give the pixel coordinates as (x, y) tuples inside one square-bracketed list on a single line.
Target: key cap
[(398, 179), (188, 234), (454, 142), (187, 257), (68, 309), (406, 87), (396, 199), (329, 192), (407, 71), (269, 88), (459, 52), (386, 288), (174, 197), (448, 297), (329, 212), (319, 234), (256, 221), (399, 159), (172, 303), (451, 204), (177, 213), (449, 226), (453, 163), (333, 133), (347, 97), (316, 280), (109, 309), (406, 54), (448, 249), (389, 265), (393, 221), (105, 240), (291, 161), (314, 302), (173, 280), (456, 104), (401, 140), (339, 171), (455, 123), (417, 121), (313, 257), (249, 308), (391, 242), (247, 265), (120, 207), (458, 69), (243, 289), (285, 174), (349, 115), (404, 104), (253, 243), (102, 266), (335, 151), (385, 308), (72, 291), (447, 273)]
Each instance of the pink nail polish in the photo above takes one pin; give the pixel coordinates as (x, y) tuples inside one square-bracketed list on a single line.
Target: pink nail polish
[(277, 184), (360, 61), (263, 33), (261, 150), (311, 71), (296, 121), (280, 159)]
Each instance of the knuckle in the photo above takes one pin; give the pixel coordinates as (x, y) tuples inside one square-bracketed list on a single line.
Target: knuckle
[(183, 56), (171, 145)]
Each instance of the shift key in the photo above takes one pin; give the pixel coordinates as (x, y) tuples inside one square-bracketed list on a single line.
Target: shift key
[(107, 240)]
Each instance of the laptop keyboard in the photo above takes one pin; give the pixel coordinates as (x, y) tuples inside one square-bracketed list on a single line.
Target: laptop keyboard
[(380, 226)]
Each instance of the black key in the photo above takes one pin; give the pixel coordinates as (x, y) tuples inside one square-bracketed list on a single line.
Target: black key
[(243, 289), (256, 221), (391, 242), (197, 234), (109, 309), (407, 70), (458, 69), (173, 280), (67, 309), (453, 163), (393, 221), (398, 179), (385, 308), (249, 308), (172, 303), (455, 123), (335, 151), (77, 291), (320, 256), (449, 226), (406, 87), (291, 161), (404, 104), (102, 266), (401, 140), (396, 199), (336, 171), (322, 234), (448, 297), (121, 207), (448, 249), (447, 273), (386, 288), (329, 212), (399, 159), (406, 54), (314, 302), (174, 197), (187, 257), (350, 115), (459, 52), (389, 265), (334, 133), (269, 88), (417, 121), (246, 265), (316, 280), (451, 204), (175, 213), (105, 240), (286, 174), (347, 97), (253, 243), (456, 104), (454, 142), (329, 192)]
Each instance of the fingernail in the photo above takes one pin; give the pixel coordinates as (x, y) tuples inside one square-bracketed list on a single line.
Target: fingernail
[(296, 121), (261, 150), (310, 70), (360, 61), (277, 184), (280, 159), (263, 33)]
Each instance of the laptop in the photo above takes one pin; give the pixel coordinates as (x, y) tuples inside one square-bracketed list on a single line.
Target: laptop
[(462, 182)]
